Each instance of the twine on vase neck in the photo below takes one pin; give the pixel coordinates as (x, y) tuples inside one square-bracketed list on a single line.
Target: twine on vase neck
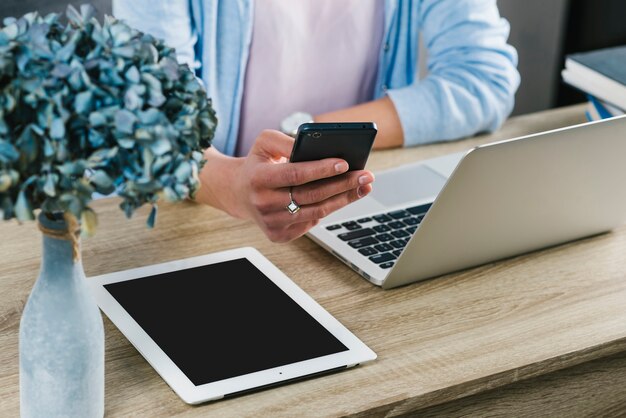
[(72, 233)]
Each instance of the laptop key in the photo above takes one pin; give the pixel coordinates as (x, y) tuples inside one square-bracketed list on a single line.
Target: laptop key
[(382, 218), (363, 242), (333, 227), (383, 247), (411, 230), (416, 210), (351, 226), (364, 220), (359, 233), (386, 265), (397, 253), (368, 251), (381, 228), (400, 233), (411, 221), (399, 243), (399, 214), (384, 237), (396, 224), (381, 258)]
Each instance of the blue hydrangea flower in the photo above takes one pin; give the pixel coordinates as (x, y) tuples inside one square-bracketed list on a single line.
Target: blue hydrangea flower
[(88, 107)]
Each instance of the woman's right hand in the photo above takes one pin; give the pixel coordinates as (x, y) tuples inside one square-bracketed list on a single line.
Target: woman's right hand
[(257, 187)]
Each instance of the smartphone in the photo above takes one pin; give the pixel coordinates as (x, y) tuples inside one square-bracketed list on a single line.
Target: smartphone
[(350, 141)]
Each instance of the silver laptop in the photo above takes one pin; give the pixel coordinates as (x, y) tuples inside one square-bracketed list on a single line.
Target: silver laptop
[(497, 200)]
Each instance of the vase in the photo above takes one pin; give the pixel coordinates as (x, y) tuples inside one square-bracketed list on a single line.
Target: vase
[(61, 341)]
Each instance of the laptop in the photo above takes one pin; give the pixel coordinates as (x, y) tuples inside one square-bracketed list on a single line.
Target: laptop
[(495, 201)]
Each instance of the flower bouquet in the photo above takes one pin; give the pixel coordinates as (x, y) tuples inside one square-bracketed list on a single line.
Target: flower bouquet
[(86, 107)]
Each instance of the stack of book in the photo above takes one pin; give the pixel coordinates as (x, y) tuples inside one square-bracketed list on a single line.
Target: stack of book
[(601, 75)]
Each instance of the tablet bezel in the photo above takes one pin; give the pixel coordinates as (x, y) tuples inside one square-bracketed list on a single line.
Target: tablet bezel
[(357, 351)]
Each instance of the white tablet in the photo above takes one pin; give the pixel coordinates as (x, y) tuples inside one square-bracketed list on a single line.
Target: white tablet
[(225, 323)]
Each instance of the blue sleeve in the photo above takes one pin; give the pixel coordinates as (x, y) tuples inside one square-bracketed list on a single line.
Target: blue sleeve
[(472, 75), (169, 20)]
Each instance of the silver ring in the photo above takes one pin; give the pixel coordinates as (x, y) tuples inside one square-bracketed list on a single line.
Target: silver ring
[(292, 207)]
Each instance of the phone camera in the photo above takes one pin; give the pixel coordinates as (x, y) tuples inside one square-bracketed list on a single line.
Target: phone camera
[(317, 134)]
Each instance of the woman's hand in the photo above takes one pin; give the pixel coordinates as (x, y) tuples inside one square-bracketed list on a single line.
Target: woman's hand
[(257, 187)]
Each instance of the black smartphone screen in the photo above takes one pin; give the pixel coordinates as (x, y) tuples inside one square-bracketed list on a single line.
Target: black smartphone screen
[(351, 142)]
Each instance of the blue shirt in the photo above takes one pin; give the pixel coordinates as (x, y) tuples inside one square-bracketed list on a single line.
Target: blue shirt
[(471, 81)]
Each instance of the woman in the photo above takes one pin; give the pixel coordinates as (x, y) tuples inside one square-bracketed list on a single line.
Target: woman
[(273, 63)]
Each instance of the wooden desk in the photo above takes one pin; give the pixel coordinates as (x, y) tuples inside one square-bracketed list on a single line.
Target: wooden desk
[(541, 334)]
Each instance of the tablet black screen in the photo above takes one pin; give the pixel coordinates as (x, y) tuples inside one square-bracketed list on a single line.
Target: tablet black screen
[(223, 320)]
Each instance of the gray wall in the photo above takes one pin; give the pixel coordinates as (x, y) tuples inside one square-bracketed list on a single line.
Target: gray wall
[(536, 32), (19, 7)]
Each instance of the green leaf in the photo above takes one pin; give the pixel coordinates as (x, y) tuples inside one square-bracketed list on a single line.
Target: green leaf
[(102, 181), (170, 195), (11, 31), (126, 143), (9, 101), (83, 102), (5, 182), (8, 153), (133, 99), (160, 163), (183, 172), (72, 168), (97, 119), (57, 129), (96, 138), (61, 70), (50, 187), (23, 208), (156, 98), (73, 204), (152, 217), (87, 11), (65, 53), (88, 222), (126, 51), (6, 208), (102, 155), (124, 121), (132, 75), (48, 149), (151, 116), (160, 146), (147, 186)]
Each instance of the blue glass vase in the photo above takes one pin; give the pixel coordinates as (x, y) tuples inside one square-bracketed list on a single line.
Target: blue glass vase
[(61, 335)]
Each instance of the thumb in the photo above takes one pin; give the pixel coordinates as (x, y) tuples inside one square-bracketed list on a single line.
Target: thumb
[(273, 145)]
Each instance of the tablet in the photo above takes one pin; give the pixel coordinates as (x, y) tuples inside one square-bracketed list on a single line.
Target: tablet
[(225, 323)]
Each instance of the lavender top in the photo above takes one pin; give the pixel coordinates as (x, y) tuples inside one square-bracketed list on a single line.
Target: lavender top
[(309, 56)]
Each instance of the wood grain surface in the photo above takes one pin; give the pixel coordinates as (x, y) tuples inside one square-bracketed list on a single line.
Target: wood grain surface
[(437, 341), (591, 389)]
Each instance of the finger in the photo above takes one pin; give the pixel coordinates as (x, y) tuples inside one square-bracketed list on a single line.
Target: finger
[(322, 209), (318, 191), (273, 145), (290, 232), (295, 174), (308, 213), (299, 229)]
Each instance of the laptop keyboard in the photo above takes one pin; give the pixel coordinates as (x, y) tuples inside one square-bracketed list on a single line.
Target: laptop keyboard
[(381, 238)]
